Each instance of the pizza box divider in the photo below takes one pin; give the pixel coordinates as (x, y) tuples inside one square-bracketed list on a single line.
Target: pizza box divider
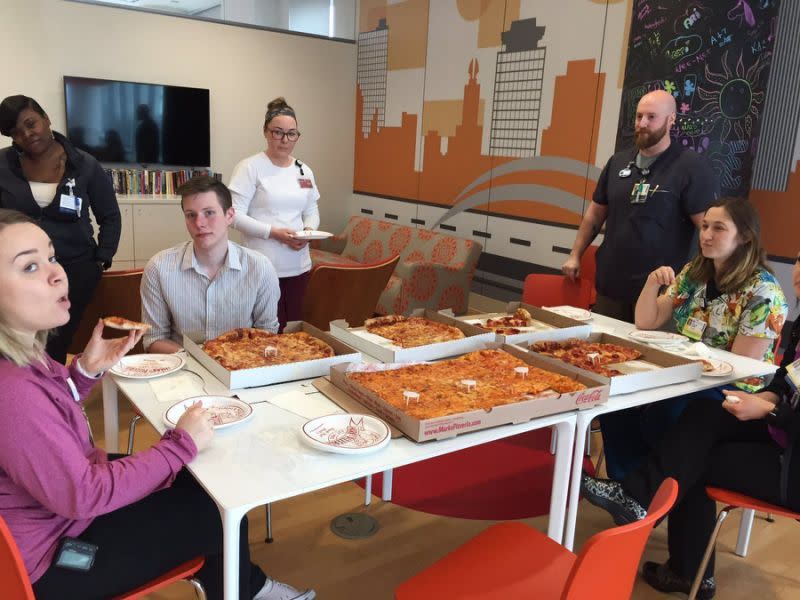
[(270, 374), (475, 339), (451, 425), (565, 327), (673, 368)]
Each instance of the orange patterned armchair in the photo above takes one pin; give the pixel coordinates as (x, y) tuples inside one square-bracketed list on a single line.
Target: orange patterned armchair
[(435, 270)]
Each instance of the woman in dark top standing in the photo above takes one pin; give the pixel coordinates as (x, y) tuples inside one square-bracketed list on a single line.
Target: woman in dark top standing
[(48, 179)]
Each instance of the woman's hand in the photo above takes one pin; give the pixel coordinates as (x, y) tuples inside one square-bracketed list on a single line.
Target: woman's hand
[(749, 407), (661, 276), (101, 354), (286, 236), (197, 423)]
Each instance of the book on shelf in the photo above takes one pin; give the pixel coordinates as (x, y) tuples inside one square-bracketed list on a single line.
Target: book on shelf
[(153, 181)]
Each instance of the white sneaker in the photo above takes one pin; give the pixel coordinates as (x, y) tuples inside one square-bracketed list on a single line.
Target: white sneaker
[(275, 590)]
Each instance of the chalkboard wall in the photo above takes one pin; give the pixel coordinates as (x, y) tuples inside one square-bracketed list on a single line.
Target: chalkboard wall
[(714, 58)]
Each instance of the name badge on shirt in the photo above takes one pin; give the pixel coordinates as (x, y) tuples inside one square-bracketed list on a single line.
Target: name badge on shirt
[(639, 193), (305, 183), (70, 204), (694, 328)]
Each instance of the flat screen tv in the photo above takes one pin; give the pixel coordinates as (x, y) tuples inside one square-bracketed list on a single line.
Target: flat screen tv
[(149, 124)]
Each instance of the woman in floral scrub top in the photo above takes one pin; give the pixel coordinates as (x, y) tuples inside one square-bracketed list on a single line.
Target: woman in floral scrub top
[(725, 297)]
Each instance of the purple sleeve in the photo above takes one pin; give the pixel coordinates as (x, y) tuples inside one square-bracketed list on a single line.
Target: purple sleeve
[(83, 383), (42, 453)]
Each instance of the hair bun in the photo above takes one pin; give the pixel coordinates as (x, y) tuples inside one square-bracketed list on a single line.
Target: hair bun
[(277, 104)]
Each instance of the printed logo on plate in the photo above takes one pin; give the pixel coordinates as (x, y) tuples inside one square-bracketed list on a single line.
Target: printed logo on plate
[(354, 435)]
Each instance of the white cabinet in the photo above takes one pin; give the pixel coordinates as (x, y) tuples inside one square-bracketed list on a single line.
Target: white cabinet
[(156, 227), (149, 224)]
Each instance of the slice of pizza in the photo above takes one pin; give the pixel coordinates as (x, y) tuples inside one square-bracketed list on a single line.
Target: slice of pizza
[(125, 324)]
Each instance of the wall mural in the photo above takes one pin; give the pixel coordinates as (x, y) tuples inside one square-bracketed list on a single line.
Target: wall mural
[(714, 58), (485, 117)]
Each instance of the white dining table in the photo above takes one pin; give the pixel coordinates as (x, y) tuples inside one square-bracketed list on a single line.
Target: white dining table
[(742, 367), (264, 459)]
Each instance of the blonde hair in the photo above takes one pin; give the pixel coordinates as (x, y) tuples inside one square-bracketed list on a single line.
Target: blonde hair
[(746, 259), (13, 347)]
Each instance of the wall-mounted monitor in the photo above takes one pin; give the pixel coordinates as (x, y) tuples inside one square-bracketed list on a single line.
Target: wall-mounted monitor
[(144, 123)]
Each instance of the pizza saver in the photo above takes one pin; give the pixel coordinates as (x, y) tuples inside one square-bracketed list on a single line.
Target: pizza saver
[(594, 357), (469, 384), (409, 395), (270, 351), (521, 372)]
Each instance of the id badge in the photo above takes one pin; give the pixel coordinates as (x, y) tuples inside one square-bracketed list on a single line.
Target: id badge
[(694, 328), (69, 204), (305, 183), (639, 193)]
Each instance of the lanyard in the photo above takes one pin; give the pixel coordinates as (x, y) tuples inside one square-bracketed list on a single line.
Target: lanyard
[(75, 396)]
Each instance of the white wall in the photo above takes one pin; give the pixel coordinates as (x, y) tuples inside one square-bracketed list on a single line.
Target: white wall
[(244, 69)]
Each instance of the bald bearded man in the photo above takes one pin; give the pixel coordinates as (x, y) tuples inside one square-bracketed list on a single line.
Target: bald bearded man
[(651, 198)]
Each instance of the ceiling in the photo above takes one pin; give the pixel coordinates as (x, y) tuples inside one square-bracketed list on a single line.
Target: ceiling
[(181, 6)]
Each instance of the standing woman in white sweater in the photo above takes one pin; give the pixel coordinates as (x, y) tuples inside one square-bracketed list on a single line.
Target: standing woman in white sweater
[(275, 196)]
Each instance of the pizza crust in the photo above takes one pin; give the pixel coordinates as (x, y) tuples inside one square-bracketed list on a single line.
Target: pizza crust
[(125, 324)]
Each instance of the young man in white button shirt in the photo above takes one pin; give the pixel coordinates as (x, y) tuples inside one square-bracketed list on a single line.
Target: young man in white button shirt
[(209, 285)]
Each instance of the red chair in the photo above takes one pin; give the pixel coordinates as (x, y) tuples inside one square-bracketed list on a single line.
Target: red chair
[(588, 270), (732, 501), (16, 584), (512, 560), (542, 289)]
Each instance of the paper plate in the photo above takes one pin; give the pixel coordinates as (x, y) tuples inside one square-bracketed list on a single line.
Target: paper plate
[(573, 312), (147, 366), (346, 434), (226, 411), (719, 368), (657, 337), (312, 234)]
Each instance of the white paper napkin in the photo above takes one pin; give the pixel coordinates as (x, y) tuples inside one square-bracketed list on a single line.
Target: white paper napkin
[(177, 386)]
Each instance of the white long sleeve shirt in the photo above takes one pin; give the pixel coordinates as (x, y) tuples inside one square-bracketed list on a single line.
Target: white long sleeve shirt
[(267, 196)]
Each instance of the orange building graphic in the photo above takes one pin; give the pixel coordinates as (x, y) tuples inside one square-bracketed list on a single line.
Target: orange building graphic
[(384, 157)]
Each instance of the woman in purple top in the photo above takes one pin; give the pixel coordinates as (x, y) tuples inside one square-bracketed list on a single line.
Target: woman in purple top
[(144, 512), (745, 444)]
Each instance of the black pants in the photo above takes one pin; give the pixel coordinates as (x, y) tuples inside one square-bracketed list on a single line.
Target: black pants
[(83, 278), (144, 540), (624, 311), (290, 304), (709, 446)]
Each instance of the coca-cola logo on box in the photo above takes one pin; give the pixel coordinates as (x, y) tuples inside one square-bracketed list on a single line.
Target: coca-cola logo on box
[(591, 397)]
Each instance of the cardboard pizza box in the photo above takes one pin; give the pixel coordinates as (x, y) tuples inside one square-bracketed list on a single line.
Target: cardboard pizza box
[(267, 375), (548, 326), (385, 351), (422, 430), (654, 368)]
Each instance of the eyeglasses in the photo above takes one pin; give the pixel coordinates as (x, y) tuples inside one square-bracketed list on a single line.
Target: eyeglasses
[(279, 134)]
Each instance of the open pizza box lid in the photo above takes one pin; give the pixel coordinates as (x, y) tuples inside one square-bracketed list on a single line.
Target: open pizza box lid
[(653, 369), (547, 326), (386, 351), (421, 430), (270, 374)]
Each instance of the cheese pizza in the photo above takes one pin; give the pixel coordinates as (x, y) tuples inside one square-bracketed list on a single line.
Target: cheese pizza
[(592, 356), (249, 348), (478, 380), (410, 332), (124, 324)]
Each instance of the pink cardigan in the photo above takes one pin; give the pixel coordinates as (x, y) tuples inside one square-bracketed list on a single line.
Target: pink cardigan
[(53, 483)]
